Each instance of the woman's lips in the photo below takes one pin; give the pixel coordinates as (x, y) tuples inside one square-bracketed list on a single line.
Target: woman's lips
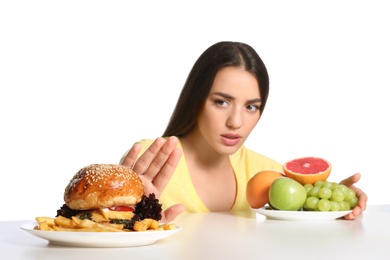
[(230, 139)]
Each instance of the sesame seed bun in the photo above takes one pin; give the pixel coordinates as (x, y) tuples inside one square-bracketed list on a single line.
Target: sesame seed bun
[(103, 186)]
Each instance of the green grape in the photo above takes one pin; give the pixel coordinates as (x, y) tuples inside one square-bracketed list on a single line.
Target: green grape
[(342, 187), (334, 185), (338, 195), (345, 205), (327, 184), (349, 194), (334, 206), (311, 203), (324, 193), (308, 187), (323, 205), (318, 184), (354, 202), (329, 196), (314, 191)]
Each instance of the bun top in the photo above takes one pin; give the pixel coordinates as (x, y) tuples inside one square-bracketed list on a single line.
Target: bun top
[(102, 186)]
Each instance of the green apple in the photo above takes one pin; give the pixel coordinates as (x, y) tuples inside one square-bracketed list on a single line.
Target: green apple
[(287, 194)]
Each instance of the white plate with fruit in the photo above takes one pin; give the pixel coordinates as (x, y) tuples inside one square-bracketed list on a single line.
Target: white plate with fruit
[(300, 192), (300, 215)]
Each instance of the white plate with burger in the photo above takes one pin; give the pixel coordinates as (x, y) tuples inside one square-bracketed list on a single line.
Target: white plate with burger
[(105, 206), (300, 215), (99, 239)]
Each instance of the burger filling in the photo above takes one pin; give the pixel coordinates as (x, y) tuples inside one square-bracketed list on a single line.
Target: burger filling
[(148, 207)]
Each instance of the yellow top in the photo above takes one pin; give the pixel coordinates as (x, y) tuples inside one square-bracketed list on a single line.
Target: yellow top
[(180, 188)]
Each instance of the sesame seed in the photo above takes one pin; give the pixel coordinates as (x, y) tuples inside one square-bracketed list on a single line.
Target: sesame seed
[(97, 172)]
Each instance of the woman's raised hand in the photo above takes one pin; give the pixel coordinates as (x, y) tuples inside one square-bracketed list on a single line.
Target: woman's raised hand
[(155, 168), (156, 165)]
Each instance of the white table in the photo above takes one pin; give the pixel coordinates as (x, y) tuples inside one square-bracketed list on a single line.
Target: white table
[(229, 236)]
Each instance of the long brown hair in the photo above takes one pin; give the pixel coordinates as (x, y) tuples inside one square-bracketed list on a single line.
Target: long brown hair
[(201, 78)]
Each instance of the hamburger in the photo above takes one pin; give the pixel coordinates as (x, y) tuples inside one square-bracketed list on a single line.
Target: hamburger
[(109, 193)]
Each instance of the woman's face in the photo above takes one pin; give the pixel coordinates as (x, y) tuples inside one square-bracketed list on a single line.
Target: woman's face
[(231, 110)]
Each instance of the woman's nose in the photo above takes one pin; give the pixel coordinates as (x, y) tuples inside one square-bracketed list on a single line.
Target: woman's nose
[(235, 119)]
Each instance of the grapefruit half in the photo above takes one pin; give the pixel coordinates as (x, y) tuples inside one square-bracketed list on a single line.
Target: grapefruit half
[(257, 189), (307, 169)]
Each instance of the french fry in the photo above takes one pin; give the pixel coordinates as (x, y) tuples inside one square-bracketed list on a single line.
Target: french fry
[(48, 220), (154, 225), (94, 229), (98, 217), (160, 228), (147, 223), (112, 225), (139, 226), (84, 223), (64, 222), (76, 224), (44, 226), (76, 220), (108, 228), (170, 226)]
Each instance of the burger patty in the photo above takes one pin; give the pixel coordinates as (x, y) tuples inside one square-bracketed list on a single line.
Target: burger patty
[(148, 207)]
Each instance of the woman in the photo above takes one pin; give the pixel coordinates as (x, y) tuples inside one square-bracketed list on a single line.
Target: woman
[(202, 164)]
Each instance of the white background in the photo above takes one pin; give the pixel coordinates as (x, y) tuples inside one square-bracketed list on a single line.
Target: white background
[(81, 81)]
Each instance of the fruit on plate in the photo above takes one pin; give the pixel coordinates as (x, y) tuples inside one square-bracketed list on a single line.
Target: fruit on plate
[(287, 194), (257, 188), (329, 196), (307, 170)]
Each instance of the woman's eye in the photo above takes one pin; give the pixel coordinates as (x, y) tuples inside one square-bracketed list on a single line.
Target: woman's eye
[(221, 103), (253, 108)]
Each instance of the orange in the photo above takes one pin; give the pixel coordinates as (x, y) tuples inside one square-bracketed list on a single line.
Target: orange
[(307, 169), (257, 188)]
